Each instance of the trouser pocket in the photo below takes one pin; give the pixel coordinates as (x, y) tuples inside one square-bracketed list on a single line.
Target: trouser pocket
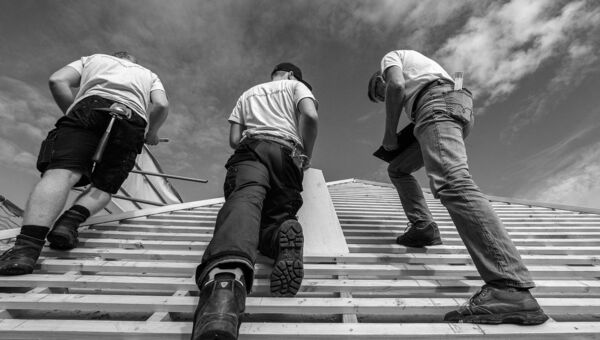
[(46, 151), (459, 105)]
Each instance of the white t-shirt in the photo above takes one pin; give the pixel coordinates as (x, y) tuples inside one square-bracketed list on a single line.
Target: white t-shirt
[(418, 71), (116, 79), (272, 109)]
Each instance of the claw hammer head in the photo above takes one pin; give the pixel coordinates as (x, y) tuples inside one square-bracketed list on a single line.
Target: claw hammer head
[(117, 110)]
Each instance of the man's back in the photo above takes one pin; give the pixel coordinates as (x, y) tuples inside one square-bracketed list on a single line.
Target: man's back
[(271, 108), (116, 79)]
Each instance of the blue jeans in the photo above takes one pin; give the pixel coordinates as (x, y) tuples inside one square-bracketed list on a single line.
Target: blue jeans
[(443, 118), (262, 189)]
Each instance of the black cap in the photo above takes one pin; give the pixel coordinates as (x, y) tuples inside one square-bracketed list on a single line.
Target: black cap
[(371, 92), (287, 67)]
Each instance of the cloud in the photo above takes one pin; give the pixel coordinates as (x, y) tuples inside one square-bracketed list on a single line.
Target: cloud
[(565, 172), (15, 157), (512, 40)]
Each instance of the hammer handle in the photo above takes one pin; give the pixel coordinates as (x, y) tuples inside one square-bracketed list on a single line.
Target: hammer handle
[(103, 141)]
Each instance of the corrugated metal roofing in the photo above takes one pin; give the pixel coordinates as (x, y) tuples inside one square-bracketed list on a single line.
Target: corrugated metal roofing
[(132, 278)]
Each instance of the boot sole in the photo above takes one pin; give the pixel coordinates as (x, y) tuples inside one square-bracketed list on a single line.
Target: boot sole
[(218, 329), (288, 271), (421, 245), (537, 317), (16, 269), (61, 241)]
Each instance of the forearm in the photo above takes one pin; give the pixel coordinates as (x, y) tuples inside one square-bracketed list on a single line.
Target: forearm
[(393, 109), (156, 118), (308, 132), (61, 92)]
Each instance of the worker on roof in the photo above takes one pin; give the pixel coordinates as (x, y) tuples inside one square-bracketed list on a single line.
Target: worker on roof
[(273, 131), (441, 112), (105, 82)]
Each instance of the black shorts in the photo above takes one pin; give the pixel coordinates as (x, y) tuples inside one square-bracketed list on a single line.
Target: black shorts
[(72, 144)]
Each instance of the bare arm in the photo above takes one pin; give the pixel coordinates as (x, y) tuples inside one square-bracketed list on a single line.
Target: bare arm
[(308, 124), (157, 116), (60, 83), (235, 134), (394, 99)]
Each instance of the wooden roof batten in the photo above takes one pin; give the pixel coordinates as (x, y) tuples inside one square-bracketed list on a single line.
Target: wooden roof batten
[(131, 276)]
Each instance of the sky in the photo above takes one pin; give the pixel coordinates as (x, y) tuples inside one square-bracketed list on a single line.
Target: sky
[(533, 66)]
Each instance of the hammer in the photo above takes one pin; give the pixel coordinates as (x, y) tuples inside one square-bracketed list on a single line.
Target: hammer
[(117, 111)]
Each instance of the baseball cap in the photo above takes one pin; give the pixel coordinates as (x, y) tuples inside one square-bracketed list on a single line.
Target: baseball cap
[(372, 93), (287, 67)]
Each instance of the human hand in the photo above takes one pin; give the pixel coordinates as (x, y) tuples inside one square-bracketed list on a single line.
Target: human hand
[(390, 147), (152, 138)]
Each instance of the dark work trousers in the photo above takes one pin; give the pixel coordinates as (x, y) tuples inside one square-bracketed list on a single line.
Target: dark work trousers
[(262, 189)]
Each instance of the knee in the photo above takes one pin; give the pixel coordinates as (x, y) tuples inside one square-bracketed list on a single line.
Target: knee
[(456, 181), (397, 172), (71, 177)]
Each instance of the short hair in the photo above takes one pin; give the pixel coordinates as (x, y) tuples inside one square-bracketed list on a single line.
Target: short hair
[(125, 55)]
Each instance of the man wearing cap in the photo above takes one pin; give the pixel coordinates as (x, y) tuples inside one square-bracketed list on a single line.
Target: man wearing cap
[(273, 131), (442, 114), (65, 159)]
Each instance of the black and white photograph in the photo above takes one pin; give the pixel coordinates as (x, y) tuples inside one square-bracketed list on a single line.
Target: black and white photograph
[(301, 169)]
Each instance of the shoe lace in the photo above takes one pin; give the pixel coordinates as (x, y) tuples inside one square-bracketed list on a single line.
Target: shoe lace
[(408, 227), (471, 304), (8, 254)]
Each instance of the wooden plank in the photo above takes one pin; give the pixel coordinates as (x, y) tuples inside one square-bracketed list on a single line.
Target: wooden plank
[(269, 305), (322, 230), (261, 286), (447, 257), (102, 329), (151, 211), (534, 250), (7, 234), (379, 270)]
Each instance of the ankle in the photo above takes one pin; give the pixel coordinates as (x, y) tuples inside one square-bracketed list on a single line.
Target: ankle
[(81, 210), (36, 232), (225, 273)]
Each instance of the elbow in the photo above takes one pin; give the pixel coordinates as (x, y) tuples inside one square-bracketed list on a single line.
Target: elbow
[(162, 105), (395, 87), (54, 82)]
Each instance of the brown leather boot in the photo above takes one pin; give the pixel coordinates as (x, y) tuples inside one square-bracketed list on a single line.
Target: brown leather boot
[(21, 258), (222, 301), (64, 235)]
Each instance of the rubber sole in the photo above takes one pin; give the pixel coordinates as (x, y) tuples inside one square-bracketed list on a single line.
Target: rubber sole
[(520, 318), (218, 329), (421, 245), (288, 270), (16, 269), (61, 240)]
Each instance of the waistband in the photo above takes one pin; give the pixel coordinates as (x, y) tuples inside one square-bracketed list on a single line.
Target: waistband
[(432, 84), (285, 142)]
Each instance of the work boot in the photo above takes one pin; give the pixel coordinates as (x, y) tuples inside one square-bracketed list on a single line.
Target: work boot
[(63, 235), (222, 301), (288, 269), (499, 305), (21, 258), (418, 237)]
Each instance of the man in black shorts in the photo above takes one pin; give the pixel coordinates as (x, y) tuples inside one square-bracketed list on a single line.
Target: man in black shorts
[(65, 158)]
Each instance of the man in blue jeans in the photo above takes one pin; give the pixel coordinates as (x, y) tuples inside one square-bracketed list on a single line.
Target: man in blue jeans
[(442, 118), (273, 131)]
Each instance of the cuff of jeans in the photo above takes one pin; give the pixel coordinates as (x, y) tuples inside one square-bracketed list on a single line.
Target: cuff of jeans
[(226, 261)]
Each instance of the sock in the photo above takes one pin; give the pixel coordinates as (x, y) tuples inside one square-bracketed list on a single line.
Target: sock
[(82, 210), (219, 273), (36, 231)]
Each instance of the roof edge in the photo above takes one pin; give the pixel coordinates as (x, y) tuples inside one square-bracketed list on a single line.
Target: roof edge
[(554, 206)]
